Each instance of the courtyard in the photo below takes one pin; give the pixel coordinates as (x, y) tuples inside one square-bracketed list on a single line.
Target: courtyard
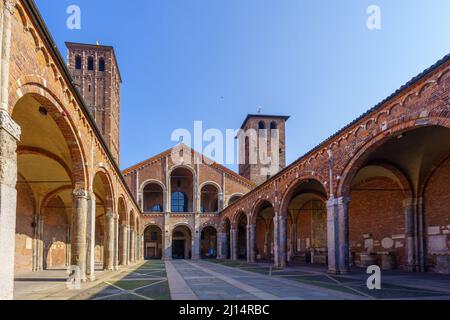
[(230, 280)]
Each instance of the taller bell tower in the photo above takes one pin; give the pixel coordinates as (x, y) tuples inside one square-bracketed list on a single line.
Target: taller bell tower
[(96, 74), (262, 145)]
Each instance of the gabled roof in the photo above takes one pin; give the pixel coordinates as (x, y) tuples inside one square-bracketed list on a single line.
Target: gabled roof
[(206, 161)]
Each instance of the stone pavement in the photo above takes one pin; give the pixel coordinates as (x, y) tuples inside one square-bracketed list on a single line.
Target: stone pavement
[(230, 280), (210, 281)]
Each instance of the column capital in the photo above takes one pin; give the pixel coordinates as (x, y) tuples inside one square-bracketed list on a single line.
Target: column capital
[(112, 215), (9, 125), (10, 5), (80, 193), (344, 200)]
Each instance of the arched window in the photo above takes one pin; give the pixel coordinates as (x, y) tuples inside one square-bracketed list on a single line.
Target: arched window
[(179, 202), (101, 64), (90, 63), (78, 62), (273, 125), (261, 125)]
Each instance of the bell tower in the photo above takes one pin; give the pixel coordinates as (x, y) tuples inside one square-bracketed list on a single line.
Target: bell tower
[(262, 147), (96, 74)]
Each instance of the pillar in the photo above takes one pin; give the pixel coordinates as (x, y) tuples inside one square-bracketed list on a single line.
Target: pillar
[(79, 226), (116, 242), (123, 237), (196, 238), (110, 241), (248, 243), (293, 239), (90, 237), (167, 239), (409, 206), (38, 244), (420, 237), (252, 240), (133, 246), (337, 234), (234, 249), (283, 241), (220, 245), (276, 241), (9, 135)]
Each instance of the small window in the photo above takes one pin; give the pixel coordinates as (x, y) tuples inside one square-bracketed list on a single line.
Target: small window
[(78, 62), (90, 63), (273, 126), (154, 236), (262, 125), (101, 64)]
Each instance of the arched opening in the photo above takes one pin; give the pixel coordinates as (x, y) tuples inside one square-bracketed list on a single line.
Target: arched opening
[(392, 205), (122, 211), (261, 125), (182, 189), (153, 198), (234, 198), (78, 62), (209, 199), (208, 243), (153, 246), (306, 223), (181, 243), (90, 65), (273, 125), (263, 220), (241, 244), (47, 157), (101, 65), (104, 232)]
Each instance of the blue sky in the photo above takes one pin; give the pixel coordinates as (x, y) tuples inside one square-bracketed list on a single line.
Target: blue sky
[(218, 60)]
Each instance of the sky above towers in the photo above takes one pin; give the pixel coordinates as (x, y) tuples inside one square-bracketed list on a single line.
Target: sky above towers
[(216, 61)]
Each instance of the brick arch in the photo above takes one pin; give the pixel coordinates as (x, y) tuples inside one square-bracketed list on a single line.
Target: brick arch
[(108, 184), (209, 224), (52, 194), (403, 178), (289, 192), (123, 214), (436, 167), (148, 225), (183, 224), (152, 181), (64, 122), (212, 183), (223, 224), (256, 207), (353, 165), (236, 216)]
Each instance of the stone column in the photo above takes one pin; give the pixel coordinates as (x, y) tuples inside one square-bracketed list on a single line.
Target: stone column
[(266, 245), (133, 246), (248, 243), (38, 245), (142, 248), (409, 206), (420, 237), (167, 237), (337, 234), (196, 238), (234, 249), (116, 242), (252, 237), (283, 241), (110, 241), (276, 241), (293, 239), (128, 245), (90, 237), (220, 244), (9, 135), (124, 236), (79, 226)]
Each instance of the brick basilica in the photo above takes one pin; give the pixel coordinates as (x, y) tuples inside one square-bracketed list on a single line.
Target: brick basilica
[(376, 192)]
